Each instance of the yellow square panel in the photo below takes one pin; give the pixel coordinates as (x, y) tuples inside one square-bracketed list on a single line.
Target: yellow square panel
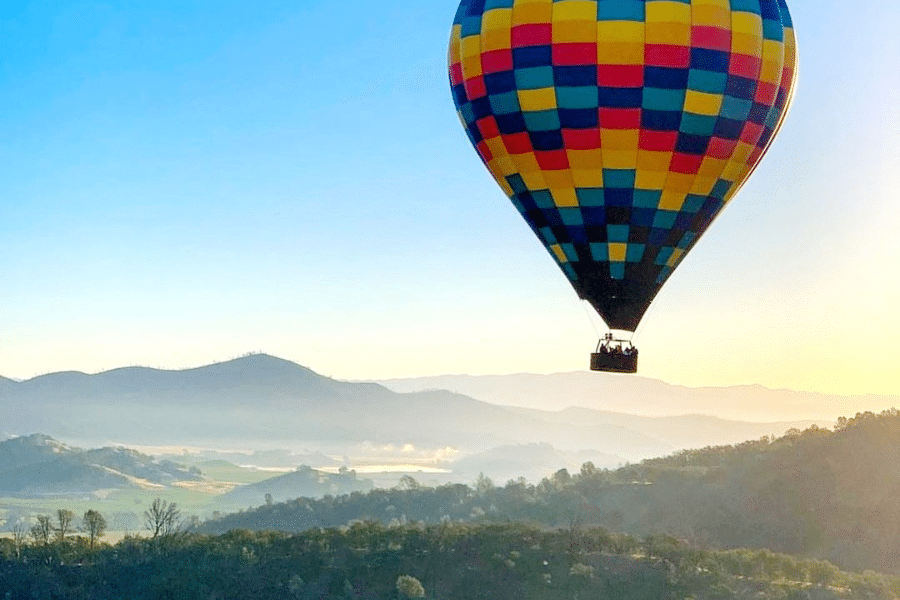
[(496, 39), (680, 182), (712, 167), (585, 159), (558, 179), (618, 159), (676, 257), (471, 66), (617, 252), (745, 43), (701, 103), (732, 171), (496, 18), (673, 34), (496, 146), (664, 11), (771, 71), (723, 4), (620, 31), (534, 180), (654, 161), (711, 15), (744, 22), (587, 178), (703, 185), (650, 180), (672, 200), (574, 31), (564, 197), (505, 164), (499, 177), (619, 140), (454, 54), (471, 46), (620, 53), (527, 163), (539, 99), (532, 12), (575, 10), (559, 254)]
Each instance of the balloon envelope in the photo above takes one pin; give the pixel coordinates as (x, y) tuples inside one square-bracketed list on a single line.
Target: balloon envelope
[(621, 128)]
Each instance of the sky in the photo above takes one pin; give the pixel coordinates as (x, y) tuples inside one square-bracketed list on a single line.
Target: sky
[(184, 182)]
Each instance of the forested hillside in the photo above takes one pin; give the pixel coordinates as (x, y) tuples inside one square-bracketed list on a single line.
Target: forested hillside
[(817, 493), (370, 561)]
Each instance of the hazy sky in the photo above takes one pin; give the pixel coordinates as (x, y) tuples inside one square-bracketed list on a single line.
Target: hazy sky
[(182, 182)]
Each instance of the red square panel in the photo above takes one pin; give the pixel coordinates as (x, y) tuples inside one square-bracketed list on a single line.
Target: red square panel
[(686, 163), (533, 34), (631, 76), (766, 93), (574, 54), (456, 74), (475, 88), (620, 118), (658, 141), (552, 160), (488, 127), (713, 38), (581, 139), (495, 61), (743, 65), (664, 55), (751, 133), (721, 148), (485, 152), (518, 143)]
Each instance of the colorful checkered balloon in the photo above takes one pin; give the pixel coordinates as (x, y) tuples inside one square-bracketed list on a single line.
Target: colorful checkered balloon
[(621, 128)]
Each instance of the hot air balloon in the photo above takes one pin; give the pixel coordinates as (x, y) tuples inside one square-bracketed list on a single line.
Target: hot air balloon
[(621, 128)]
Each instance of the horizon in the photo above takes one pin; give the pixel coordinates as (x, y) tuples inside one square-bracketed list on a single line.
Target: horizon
[(286, 177), (250, 355)]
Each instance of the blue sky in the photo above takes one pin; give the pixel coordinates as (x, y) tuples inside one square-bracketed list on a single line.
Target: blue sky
[(184, 182)]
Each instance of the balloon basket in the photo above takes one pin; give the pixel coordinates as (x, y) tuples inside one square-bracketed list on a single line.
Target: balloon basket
[(614, 356)]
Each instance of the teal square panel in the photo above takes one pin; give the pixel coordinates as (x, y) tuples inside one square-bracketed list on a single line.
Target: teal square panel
[(505, 104), (571, 216), (620, 10), (543, 199), (534, 78), (663, 99), (618, 234), (707, 81), (577, 97), (591, 196), (548, 236), (646, 198), (618, 178), (697, 124), (600, 252), (635, 253), (665, 219), (542, 120)]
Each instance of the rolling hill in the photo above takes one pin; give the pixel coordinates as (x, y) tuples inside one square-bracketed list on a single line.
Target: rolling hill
[(264, 403)]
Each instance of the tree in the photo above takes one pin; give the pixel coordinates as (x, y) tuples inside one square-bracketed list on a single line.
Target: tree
[(162, 518), (94, 525), (64, 518), (410, 587), (19, 533), (42, 530)]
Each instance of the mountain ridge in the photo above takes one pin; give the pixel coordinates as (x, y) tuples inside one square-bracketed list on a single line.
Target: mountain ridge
[(261, 402)]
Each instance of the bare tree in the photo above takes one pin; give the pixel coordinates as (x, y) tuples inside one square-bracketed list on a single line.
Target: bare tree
[(19, 533), (162, 518), (64, 518), (94, 525), (42, 530)]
